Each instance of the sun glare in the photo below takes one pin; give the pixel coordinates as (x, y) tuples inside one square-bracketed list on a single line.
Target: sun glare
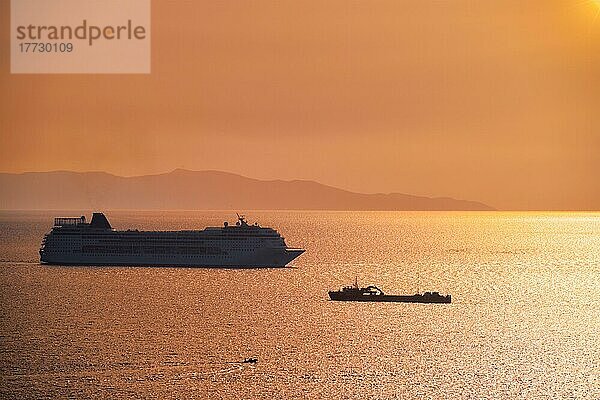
[(596, 6), (592, 3), (591, 9)]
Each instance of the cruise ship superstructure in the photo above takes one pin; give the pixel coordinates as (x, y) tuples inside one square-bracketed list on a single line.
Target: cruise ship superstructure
[(73, 241)]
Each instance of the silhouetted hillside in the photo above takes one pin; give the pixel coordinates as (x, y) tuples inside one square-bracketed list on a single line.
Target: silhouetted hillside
[(197, 190)]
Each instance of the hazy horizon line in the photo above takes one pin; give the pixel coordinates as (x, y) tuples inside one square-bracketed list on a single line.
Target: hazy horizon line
[(247, 177), (495, 211)]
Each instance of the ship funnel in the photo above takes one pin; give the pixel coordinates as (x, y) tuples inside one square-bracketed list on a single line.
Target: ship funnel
[(99, 221)]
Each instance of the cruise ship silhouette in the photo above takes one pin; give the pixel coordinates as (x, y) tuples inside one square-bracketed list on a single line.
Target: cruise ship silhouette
[(73, 241)]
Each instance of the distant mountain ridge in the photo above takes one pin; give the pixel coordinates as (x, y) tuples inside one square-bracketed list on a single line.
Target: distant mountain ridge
[(198, 190)]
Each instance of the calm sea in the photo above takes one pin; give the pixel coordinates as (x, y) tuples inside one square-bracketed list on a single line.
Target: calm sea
[(524, 321)]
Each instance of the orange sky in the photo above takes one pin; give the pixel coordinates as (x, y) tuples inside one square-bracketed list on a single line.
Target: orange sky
[(496, 101)]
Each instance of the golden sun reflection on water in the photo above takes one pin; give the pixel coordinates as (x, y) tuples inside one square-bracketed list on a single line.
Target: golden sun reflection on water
[(523, 322)]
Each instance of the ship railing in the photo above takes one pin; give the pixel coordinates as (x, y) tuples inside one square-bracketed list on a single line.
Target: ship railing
[(69, 221)]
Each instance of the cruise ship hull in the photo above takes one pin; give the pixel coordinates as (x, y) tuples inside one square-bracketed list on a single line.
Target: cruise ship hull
[(263, 258), (73, 241)]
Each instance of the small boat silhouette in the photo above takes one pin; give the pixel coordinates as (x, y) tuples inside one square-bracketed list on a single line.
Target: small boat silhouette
[(250, 360), (373, 293)]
